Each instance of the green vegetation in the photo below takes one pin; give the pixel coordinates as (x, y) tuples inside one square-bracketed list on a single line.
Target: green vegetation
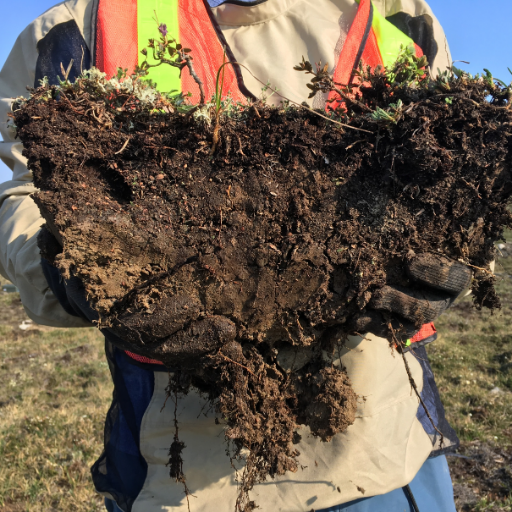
[(472, 361), (54, 393)]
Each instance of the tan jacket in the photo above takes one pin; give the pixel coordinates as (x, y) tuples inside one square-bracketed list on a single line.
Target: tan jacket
[(387, 444)]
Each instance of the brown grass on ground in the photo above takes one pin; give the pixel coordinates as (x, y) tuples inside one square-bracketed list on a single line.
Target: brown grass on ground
[(54, 393), (472, 361)]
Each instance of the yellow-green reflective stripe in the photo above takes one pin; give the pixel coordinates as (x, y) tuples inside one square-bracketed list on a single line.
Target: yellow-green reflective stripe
[(166, 77), (389, 38)]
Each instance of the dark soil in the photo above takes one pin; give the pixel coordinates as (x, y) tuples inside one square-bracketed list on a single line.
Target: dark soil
[(481, 471), (273, 245), (284, 231)]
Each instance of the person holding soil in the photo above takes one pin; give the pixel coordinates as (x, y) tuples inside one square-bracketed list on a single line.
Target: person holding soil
[(392, 457)]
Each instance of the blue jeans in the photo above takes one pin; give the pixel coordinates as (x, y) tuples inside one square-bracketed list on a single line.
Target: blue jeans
[(432, 489), (111, 506)]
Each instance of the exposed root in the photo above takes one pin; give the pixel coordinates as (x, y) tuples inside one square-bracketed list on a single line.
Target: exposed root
[(263, 408), (175, 452), (399, 347)]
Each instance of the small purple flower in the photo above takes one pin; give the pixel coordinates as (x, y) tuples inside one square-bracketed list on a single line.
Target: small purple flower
[(163, 29)]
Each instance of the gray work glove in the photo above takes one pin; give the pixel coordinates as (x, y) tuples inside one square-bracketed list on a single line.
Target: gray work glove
[(176, 333), (435, 282)]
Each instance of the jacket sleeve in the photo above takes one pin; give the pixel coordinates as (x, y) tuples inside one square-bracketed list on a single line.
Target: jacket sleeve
[(416, 19), (20, 221)]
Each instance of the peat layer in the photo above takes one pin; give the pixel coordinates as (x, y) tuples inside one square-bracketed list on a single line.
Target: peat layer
[(243, 265)]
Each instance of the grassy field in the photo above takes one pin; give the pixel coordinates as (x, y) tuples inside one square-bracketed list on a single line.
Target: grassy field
[(472, 361), (55, 390), (54, 393)]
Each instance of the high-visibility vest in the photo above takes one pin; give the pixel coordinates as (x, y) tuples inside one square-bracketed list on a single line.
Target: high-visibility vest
[(371, 39), (123, 28)]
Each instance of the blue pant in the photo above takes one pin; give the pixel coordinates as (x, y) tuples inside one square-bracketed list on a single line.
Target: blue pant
[(432, 489)]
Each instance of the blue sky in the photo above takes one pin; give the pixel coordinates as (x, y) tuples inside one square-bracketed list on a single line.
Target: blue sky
[(477, 30)]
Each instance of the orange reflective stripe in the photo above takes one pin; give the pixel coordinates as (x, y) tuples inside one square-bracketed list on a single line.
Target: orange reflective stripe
[(117, 44), (425, 332), (371, 54), (354, 45), (198, 33), (142, 359), (419, 51), (116, 36), (362, 43)]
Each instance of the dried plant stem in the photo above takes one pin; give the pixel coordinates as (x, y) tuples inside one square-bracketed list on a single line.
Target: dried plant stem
[(348, 99), (177, 446), (186, 61), (70, 104), (300, 105), (226, 358), (216, 134), (485, 270), (415, 387), (413, 382)]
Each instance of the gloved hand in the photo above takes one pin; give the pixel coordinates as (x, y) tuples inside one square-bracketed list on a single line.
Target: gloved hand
[(435, 282), (178, 339)]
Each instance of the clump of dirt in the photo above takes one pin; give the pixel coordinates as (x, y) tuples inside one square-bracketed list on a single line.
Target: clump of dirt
[(237, 266)]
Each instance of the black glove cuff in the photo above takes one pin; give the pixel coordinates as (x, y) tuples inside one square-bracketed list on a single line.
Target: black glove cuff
[(59, 288)]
